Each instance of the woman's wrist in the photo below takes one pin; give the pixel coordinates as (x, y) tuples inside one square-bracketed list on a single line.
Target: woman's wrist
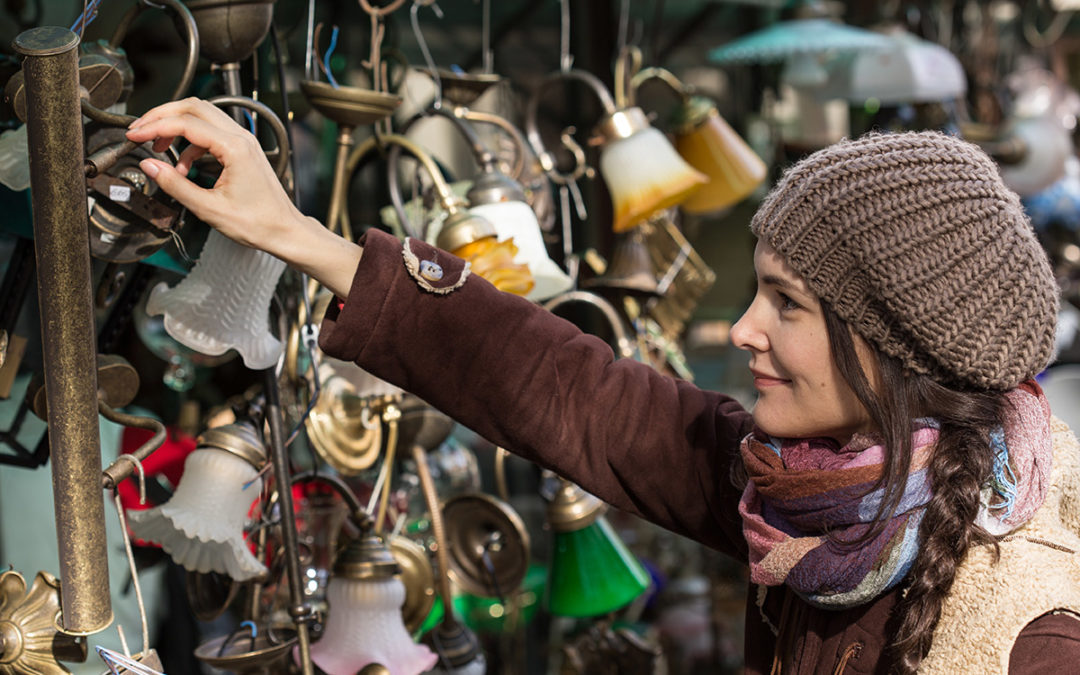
[(316, 251)]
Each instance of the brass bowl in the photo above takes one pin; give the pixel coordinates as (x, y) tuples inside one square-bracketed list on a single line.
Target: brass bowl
[(349, 106)]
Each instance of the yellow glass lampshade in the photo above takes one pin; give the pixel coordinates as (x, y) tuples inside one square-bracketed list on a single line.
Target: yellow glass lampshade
[(473, 238), (709, 144), (642, 170)]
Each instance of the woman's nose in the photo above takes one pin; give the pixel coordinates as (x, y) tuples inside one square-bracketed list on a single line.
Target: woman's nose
[(747, 334)]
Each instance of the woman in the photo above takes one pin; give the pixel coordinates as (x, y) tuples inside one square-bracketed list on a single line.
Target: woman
[(901, 493)]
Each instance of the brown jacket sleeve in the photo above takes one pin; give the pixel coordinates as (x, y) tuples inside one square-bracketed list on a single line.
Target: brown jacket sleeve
[(1047, 645), (533, 383)]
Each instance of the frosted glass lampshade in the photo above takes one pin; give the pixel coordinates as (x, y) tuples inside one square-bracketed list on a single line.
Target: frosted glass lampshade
[(224, 303), (1047, 144), (517, 221), (202, 525), (709, 144), (908, 70), (364, 624), (642, 170)]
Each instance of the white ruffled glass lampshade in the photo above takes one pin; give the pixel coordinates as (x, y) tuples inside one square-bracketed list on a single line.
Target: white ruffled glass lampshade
[(202, 525), (516, 220), (364, 625), (224, 303), (642, 170)]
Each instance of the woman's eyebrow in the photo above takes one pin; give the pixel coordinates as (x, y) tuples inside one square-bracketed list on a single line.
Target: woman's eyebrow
[(781, 282)]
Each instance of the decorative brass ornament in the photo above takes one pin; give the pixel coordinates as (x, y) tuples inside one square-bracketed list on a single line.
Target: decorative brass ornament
[(344, 428), (30, 641), (128, 219), (418, 577), (488, 545), (117, 382)]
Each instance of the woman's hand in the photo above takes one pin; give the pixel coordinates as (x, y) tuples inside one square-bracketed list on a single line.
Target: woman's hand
[(247, 202)]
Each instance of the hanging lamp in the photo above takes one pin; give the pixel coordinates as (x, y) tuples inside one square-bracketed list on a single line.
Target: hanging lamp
[(706, 141), (592, 571), (202, 525), (643, 172), (365, 625)]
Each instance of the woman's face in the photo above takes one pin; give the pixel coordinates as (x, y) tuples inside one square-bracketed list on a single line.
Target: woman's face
[(801, 393)]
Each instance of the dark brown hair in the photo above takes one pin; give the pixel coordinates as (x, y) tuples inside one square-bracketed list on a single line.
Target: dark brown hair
[(959, 466)]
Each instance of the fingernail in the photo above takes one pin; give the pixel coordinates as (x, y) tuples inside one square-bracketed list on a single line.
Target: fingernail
[(138, 122), (150, 167)]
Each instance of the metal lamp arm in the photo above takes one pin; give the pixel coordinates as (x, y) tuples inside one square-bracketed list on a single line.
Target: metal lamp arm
[(191, 38), (533, 133)]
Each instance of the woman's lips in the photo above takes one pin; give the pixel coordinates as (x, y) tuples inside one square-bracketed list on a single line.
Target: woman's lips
[(761, 380)]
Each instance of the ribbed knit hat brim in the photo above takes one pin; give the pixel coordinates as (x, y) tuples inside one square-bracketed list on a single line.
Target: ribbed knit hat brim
[(914, 240)]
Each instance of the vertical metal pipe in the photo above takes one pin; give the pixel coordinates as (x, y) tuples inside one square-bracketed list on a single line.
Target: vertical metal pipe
[(298, 608), (61, 240)]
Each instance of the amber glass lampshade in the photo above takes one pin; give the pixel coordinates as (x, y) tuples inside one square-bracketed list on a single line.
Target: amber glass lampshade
[(473, 238), (709, 144), (642, 170)]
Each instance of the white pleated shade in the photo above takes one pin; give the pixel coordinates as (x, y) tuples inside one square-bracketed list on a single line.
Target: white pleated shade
[(201, 527), (224, 303), (516, 220), (644, 175), (364, 625)]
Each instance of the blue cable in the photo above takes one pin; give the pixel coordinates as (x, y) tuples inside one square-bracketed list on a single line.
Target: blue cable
[(326, 57), (90, 11)]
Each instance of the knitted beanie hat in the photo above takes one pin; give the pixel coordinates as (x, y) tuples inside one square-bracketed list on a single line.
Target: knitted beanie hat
[(914, 240)]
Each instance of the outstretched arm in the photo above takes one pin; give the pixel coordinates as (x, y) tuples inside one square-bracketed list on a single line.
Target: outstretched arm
[(247, 202)]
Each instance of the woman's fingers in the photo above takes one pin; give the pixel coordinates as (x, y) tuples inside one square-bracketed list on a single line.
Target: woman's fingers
[(176, 184), (188, 157)]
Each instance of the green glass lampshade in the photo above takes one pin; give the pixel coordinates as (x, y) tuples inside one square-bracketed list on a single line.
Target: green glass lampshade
[(796, 38), (592, 572)]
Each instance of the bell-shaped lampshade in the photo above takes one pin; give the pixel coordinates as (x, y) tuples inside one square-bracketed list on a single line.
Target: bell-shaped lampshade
[(709, 144), (364, 624), (909, 70), (515, 220), (474, 238), (224, 303), (642, 170), (202, 524), (592, 571), (631, 269)]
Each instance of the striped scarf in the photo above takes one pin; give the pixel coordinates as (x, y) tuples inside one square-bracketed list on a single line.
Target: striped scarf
[(808, 499)]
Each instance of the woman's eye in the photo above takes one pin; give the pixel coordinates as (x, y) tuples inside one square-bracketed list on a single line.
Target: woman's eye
[(786, 303)]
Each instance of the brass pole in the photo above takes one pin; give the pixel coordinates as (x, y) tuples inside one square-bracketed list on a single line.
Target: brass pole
[(299, 609), (61, 240)]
